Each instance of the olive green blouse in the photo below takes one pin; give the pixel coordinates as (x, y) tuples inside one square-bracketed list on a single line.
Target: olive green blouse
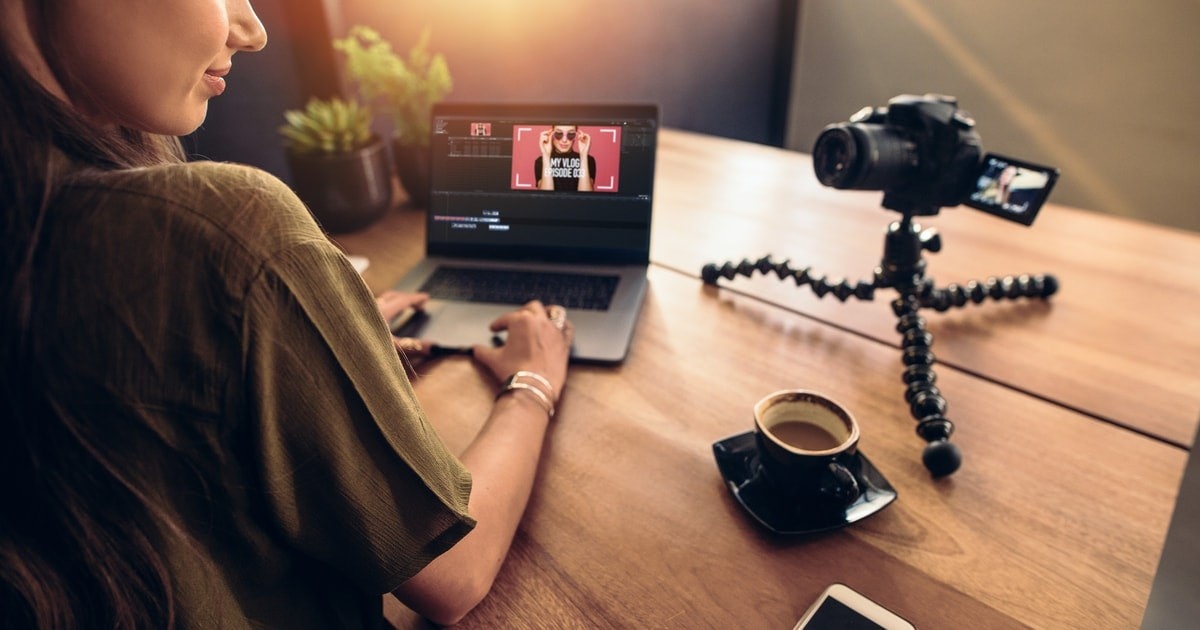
[(227, 354)]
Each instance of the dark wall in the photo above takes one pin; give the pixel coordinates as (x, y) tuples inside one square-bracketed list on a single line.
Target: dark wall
[(713, 66), (297, 63), (1099, 89)]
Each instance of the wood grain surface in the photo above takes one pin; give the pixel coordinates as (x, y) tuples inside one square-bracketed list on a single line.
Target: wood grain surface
[(1056, 518), (1120, 340)]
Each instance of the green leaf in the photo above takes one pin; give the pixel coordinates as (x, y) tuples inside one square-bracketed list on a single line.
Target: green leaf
[(404, 89), (332, 126)]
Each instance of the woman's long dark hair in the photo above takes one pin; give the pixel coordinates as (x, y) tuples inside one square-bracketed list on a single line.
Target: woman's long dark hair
[(77, 538)]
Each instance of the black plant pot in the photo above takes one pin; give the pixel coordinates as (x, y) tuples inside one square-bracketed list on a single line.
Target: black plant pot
[(346, 191), (412, 167)]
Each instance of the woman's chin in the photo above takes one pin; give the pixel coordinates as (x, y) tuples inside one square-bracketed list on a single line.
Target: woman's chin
[(184, 123)]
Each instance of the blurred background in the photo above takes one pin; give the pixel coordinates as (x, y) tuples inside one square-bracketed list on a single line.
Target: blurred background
[(1098, 88)]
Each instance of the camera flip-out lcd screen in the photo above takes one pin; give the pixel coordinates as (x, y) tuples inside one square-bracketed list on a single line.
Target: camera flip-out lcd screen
[(1011, 189)]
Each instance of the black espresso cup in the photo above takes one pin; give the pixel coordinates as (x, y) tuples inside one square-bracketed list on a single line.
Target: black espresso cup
[(806, 443)]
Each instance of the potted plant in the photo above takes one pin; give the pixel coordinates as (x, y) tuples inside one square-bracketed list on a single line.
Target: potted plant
[(339, 167), (404, 90)]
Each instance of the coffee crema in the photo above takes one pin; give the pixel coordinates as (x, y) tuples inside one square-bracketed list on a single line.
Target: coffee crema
[(805, 435)]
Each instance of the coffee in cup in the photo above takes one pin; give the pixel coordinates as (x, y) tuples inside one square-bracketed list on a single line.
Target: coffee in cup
[(806, 444)]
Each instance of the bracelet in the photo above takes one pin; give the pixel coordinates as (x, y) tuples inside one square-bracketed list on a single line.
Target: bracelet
[(545, 398), (541, 397), (533, 375)]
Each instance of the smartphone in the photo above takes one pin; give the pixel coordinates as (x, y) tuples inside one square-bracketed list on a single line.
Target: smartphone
[(1010, 188), (842, 608)]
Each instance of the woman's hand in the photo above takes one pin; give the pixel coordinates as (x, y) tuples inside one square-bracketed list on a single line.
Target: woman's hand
[(584, 143), (546, 145), (539, 340), (392, 303), (398, 307)]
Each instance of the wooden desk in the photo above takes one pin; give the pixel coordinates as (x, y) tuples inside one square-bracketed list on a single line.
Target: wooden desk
[(1055, 520), (1119, 341)]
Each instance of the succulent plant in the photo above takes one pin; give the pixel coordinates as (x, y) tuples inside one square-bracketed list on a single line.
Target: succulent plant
[(327, 126)]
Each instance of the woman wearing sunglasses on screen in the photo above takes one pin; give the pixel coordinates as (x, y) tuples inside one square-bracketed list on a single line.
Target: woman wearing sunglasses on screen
[(560, 167), (205, 423)]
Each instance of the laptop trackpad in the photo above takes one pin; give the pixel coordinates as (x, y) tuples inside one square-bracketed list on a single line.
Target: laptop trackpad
[(454, 324)]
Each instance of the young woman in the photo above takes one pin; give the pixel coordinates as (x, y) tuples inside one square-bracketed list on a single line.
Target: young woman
[(205, 422), (561, 165)]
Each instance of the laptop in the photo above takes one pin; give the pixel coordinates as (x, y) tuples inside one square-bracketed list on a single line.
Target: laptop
[(498, 234)]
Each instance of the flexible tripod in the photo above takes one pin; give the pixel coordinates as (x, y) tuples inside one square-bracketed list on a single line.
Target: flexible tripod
[(903, 269)]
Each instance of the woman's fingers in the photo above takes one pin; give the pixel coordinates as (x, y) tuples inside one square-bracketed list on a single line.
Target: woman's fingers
[(532, 308), (392, 302)]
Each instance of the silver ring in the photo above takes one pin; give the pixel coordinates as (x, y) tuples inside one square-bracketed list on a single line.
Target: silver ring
[(557, 315)]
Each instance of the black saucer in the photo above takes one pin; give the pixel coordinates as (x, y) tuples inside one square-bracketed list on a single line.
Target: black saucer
[(737, 458)]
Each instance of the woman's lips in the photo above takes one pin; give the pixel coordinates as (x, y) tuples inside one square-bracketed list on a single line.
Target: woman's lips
[(215, 80)]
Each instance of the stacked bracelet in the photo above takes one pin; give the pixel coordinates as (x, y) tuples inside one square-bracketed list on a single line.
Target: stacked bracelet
[(543, 391)]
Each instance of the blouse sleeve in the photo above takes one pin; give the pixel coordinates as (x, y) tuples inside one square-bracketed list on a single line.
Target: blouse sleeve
[(349, 467)]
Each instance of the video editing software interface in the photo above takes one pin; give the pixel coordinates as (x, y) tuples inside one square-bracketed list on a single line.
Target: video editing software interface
[(487, 197)]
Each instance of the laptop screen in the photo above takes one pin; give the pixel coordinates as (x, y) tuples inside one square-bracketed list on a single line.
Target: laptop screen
[(568, 183)]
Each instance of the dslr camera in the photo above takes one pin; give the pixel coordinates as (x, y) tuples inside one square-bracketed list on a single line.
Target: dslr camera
[(924, 154)]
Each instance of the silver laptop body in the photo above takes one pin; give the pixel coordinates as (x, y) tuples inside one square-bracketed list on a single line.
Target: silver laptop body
[(488, 216)]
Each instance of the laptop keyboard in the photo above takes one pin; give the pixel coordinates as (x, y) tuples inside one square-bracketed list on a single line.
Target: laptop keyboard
[(572, 290)]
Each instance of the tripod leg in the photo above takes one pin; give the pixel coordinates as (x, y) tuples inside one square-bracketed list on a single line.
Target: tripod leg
[(1006, 288), (841, 288), (925, 401)]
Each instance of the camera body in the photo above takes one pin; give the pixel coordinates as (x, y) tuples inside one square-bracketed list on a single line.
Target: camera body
[(924, 154)]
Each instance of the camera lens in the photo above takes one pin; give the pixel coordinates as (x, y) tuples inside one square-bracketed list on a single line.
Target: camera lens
[(863, 156), (835, 157)]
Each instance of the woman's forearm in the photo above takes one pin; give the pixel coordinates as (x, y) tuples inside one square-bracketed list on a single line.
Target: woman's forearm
[(503, 460)]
